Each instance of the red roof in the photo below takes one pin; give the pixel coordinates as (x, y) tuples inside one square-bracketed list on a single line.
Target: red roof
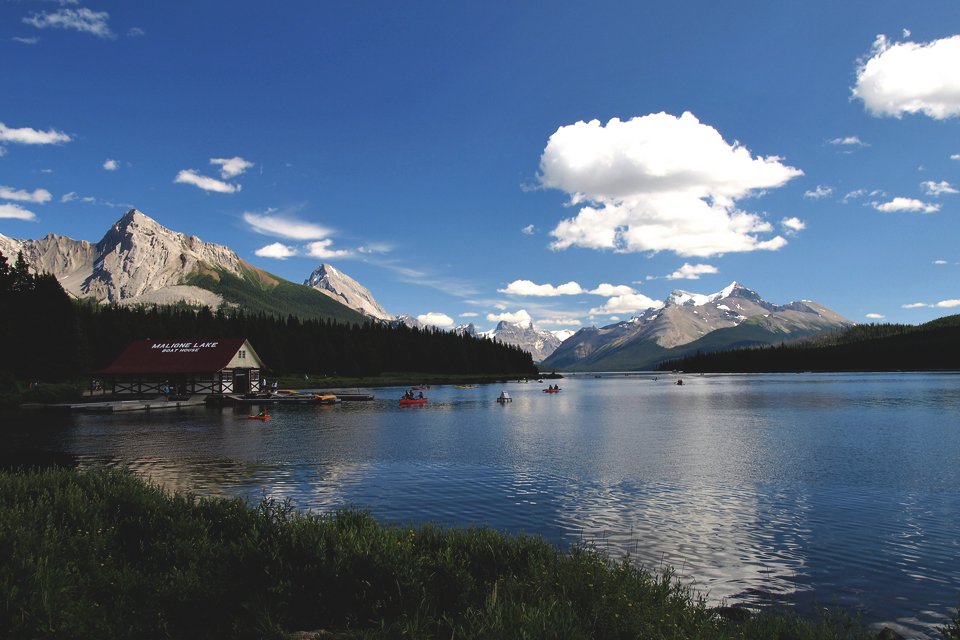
[(177, 356)]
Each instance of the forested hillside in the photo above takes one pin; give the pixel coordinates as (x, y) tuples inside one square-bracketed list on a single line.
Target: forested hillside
[(873, 347), (50, 337)]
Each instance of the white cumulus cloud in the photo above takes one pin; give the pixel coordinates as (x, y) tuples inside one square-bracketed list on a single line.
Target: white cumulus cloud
[(819, 193), (528, 230), (529, 288), (520, 317), (932, 188), (281, 227), (659, 183), (190, 176), (435, 319), (231, 167), (38, 196), (692, 271), (27, 135), (899, 204), (111, 165), (910, 77), (875, 316), (606, 290), (630, 303), (847, 141), (322, 249), (276, 250), (16, 212), (793, 225), (82, 19)]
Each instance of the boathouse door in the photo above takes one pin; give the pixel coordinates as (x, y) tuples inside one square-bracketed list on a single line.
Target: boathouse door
[(241, 381)]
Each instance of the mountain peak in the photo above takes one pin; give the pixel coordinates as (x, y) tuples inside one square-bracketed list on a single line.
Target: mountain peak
[(337, 285), (137, 217)]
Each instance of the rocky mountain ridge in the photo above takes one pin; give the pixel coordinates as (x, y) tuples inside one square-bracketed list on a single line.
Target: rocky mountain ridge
[(332, 282), (539, 343), (687, 318), (136, 258), (139, 261)]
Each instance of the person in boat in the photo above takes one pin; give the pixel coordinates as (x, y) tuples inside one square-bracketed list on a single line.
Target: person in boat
[(680, 382), (420, 396), (262, 414)]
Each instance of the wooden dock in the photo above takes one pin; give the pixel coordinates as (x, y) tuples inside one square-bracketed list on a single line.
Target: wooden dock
[(151, 404)]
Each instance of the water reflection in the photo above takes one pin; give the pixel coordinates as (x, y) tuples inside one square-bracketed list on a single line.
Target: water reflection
[(802, 490)]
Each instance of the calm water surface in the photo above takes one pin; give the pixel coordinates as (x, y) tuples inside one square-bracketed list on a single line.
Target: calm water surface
[(803, 490)]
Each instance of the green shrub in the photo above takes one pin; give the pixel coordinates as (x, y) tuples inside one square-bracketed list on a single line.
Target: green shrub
[(102, 554), (48, 393)]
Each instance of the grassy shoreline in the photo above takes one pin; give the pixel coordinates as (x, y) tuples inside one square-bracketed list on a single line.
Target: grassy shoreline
[(101, 553)]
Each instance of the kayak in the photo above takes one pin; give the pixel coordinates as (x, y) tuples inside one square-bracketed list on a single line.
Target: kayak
[(412, 402), (264, 418)]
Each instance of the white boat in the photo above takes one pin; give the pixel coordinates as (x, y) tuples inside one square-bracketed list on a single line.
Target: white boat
[(504, 397)]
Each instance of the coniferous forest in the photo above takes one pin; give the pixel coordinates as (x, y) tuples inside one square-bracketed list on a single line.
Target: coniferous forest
[(933, 346), (50, 337)]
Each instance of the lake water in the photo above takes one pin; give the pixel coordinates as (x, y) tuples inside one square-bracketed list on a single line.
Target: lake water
[(801, 490)]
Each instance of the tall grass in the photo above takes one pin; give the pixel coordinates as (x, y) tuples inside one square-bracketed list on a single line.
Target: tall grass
[(102, 554)]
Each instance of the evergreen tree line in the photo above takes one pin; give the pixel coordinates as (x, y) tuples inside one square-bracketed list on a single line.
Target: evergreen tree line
[(51, 337), (875, 347)]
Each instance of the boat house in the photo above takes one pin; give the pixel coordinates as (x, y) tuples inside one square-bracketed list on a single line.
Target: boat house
[(186, 367)]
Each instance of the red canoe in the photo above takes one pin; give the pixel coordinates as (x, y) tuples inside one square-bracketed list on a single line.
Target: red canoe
[(412, 402)]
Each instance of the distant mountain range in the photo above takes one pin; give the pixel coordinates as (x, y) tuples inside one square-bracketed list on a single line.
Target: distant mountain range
[(139, 261), (536, 342), (688, 323)]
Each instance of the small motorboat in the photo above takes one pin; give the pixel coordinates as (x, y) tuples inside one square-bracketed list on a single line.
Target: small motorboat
[(412, 402), (504, 397)]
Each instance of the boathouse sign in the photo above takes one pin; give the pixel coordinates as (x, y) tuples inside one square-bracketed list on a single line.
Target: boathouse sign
[(183, 347)]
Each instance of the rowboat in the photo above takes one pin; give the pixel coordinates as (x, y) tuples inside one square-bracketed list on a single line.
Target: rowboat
[(412, 402)]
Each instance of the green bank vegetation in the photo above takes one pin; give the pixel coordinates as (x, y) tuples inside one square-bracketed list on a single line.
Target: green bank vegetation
[(102, 554)]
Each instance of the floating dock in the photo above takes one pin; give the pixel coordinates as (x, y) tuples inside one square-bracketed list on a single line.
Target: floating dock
[(152, 404)]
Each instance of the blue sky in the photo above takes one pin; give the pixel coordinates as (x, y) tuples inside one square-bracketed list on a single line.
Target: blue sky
[(569, 163)]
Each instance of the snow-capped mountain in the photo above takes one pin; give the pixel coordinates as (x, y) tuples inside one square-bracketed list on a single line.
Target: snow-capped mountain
[(691, 319), (334, 283), (466, 329), (540, 344)]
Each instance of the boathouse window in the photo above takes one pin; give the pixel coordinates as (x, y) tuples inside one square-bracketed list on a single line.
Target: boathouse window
[(241, 354)]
